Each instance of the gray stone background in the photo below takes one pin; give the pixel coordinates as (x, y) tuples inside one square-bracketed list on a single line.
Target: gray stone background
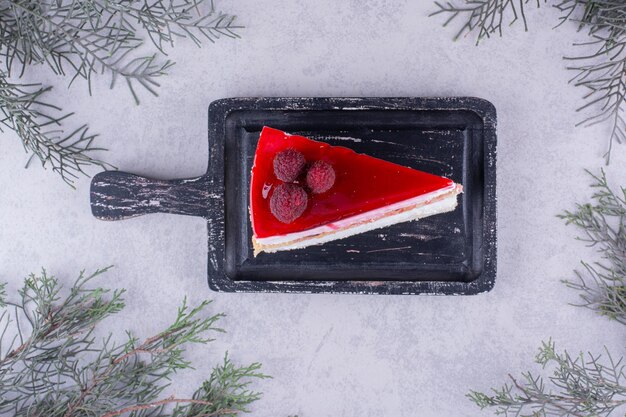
[(335, 354)]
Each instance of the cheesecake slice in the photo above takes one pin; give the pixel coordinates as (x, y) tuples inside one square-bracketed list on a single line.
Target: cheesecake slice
[(305, 192)]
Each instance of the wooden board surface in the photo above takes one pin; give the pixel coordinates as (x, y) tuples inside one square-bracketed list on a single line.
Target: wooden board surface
[(451, 253)]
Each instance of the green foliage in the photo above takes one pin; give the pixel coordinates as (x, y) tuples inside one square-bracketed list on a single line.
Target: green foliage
[(485, 16), (227, 389), (583, 385), (3, 294), (38, 124), (602, 73), (83, 39), (603, 224), (51, 364)]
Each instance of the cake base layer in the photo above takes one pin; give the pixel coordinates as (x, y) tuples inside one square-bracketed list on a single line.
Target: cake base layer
[(440, 201)]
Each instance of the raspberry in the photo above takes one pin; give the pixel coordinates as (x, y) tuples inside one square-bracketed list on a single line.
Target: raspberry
[(288, 202), (288, 165), (320, 177)]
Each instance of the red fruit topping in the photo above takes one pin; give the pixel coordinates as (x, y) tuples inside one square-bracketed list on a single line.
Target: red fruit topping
[(288, 165), (320, 177), (288, 202)]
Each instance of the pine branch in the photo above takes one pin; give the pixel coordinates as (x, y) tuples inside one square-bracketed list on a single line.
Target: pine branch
[(87, 38), (165, 20), (227, 388), (51, 365), (583, 385), (486, 17), (603, 224), (40, 125), (602, 73), (156, 404), (84, 39)]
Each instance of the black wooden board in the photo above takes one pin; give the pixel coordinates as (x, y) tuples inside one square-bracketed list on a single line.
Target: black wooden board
[(451, 253)]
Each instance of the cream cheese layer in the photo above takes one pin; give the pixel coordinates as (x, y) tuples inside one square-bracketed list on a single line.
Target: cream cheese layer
[(439, 201)]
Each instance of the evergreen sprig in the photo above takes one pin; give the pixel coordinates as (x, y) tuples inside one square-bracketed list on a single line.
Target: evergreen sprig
[(25, 110), (486, 17), (602, 73), (583, 385), (51, 364), (603, 223), (580, 386), (84, 39)]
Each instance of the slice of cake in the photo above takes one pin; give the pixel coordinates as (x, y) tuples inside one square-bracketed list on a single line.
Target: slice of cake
[(304, 192)]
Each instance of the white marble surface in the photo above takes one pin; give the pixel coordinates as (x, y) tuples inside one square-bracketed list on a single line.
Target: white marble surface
[(336, 355)]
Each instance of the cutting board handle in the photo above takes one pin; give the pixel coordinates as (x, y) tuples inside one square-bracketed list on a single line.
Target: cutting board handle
[(119, 195)]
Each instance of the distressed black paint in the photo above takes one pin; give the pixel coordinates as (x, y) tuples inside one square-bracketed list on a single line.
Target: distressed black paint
[(453, 253), (119, 195)]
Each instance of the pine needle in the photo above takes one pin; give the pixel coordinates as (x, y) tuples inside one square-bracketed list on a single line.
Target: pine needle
[(586, 384), (52, 365), (602, 284), (580, 386), (602, 73), (86, 39)]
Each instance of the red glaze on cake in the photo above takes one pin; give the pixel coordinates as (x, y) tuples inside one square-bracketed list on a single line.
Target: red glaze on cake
[(362, 185)]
